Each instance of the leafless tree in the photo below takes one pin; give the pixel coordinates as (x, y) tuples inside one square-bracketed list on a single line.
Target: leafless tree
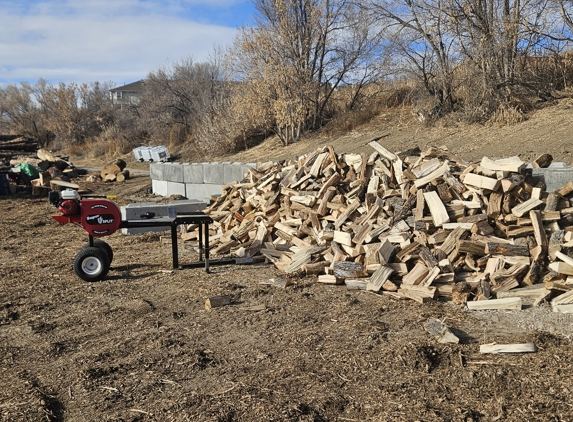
[(178, 96), (495, 34), (566, 13), (300, 53), (418, 32), (69, 113)]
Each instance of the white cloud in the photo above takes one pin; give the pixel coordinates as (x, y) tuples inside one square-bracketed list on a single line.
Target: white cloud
[(104, 40)]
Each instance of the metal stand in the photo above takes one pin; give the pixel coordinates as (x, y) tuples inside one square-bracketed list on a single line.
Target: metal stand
[(203, 220)]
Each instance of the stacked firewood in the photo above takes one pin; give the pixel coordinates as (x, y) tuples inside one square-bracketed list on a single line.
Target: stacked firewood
[(13, 145), (413, 225)]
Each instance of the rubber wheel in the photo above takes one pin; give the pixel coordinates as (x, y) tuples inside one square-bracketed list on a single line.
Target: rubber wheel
[(104, 247), (91, 264)]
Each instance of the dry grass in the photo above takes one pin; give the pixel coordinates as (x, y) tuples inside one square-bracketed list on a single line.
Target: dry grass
[(111, 143), (506, 115)]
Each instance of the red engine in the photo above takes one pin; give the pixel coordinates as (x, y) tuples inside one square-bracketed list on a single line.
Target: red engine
[(99, 217), (69, 207)]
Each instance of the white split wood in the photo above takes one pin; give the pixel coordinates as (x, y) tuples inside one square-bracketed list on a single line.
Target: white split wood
[(564, 258), (440, 171), (383, 151), (495, 348), (526, 206), (512, 164), (437, 208), (481, 182), (506, 303)]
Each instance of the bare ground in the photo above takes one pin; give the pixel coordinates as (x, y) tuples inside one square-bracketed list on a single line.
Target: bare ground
[(140, 345)]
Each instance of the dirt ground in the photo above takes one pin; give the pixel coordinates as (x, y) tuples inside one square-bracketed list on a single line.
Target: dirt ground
[(140, 346)]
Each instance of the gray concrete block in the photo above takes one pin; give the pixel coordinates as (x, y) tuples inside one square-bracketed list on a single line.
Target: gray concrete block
[(245, 168), (193, 173), (156, 171), (213, 173), (554, 178), (202, 192), (175, 188), (173, 172), (159, 187), (233, 172)]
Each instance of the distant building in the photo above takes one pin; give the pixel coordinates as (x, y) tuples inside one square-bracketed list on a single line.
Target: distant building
[(127, 95)]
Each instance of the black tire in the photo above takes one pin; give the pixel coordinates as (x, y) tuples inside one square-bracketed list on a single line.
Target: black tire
[(91, 264), (104, 247)]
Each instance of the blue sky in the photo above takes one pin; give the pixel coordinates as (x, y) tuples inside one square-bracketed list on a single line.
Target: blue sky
[(110, 40)]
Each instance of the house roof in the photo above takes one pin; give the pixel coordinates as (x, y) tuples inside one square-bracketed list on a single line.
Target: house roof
[(134, 87)]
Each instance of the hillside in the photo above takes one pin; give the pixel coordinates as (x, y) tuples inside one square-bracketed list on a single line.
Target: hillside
[(548, 130)]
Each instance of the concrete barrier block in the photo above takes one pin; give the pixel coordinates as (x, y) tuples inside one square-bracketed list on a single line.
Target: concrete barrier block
[(554, 178), (159, 187), (233, 172), (156, 171), (213, 173), (202, 192), (175, 188), (245, 167), (173, 172), (193, 173)]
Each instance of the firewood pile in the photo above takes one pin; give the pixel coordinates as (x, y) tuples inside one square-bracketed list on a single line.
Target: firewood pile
[(115, 172), (418, 226), (12, 145), (46, 171)]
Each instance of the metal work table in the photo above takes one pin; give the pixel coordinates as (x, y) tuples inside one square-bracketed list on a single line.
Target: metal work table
[(203, 220)]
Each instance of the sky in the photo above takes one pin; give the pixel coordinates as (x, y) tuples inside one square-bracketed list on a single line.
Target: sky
[(118, 41)]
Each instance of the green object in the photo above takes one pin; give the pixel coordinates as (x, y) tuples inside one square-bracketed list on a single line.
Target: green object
[(29, 170)]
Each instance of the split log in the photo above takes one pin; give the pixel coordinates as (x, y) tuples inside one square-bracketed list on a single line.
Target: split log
[(124, 175), (481, 182), (437, 209), (329, 279), (217, 301), (110, 169), (344, 270), (506, 249), (543, 161), (506, 303), (508, 348), (61, 185), (379, 280), (525, 207), (513, 164)]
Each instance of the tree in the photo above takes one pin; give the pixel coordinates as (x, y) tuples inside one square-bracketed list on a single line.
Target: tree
[(22, 112), (177, 97), (418, 32), (300, 53), (567, 16), (68, 113), (495, 35)]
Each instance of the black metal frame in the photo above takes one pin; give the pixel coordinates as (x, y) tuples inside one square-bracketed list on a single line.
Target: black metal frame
[(203, 220)]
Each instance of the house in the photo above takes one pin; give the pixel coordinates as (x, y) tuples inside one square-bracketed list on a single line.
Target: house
[(127, 95)]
